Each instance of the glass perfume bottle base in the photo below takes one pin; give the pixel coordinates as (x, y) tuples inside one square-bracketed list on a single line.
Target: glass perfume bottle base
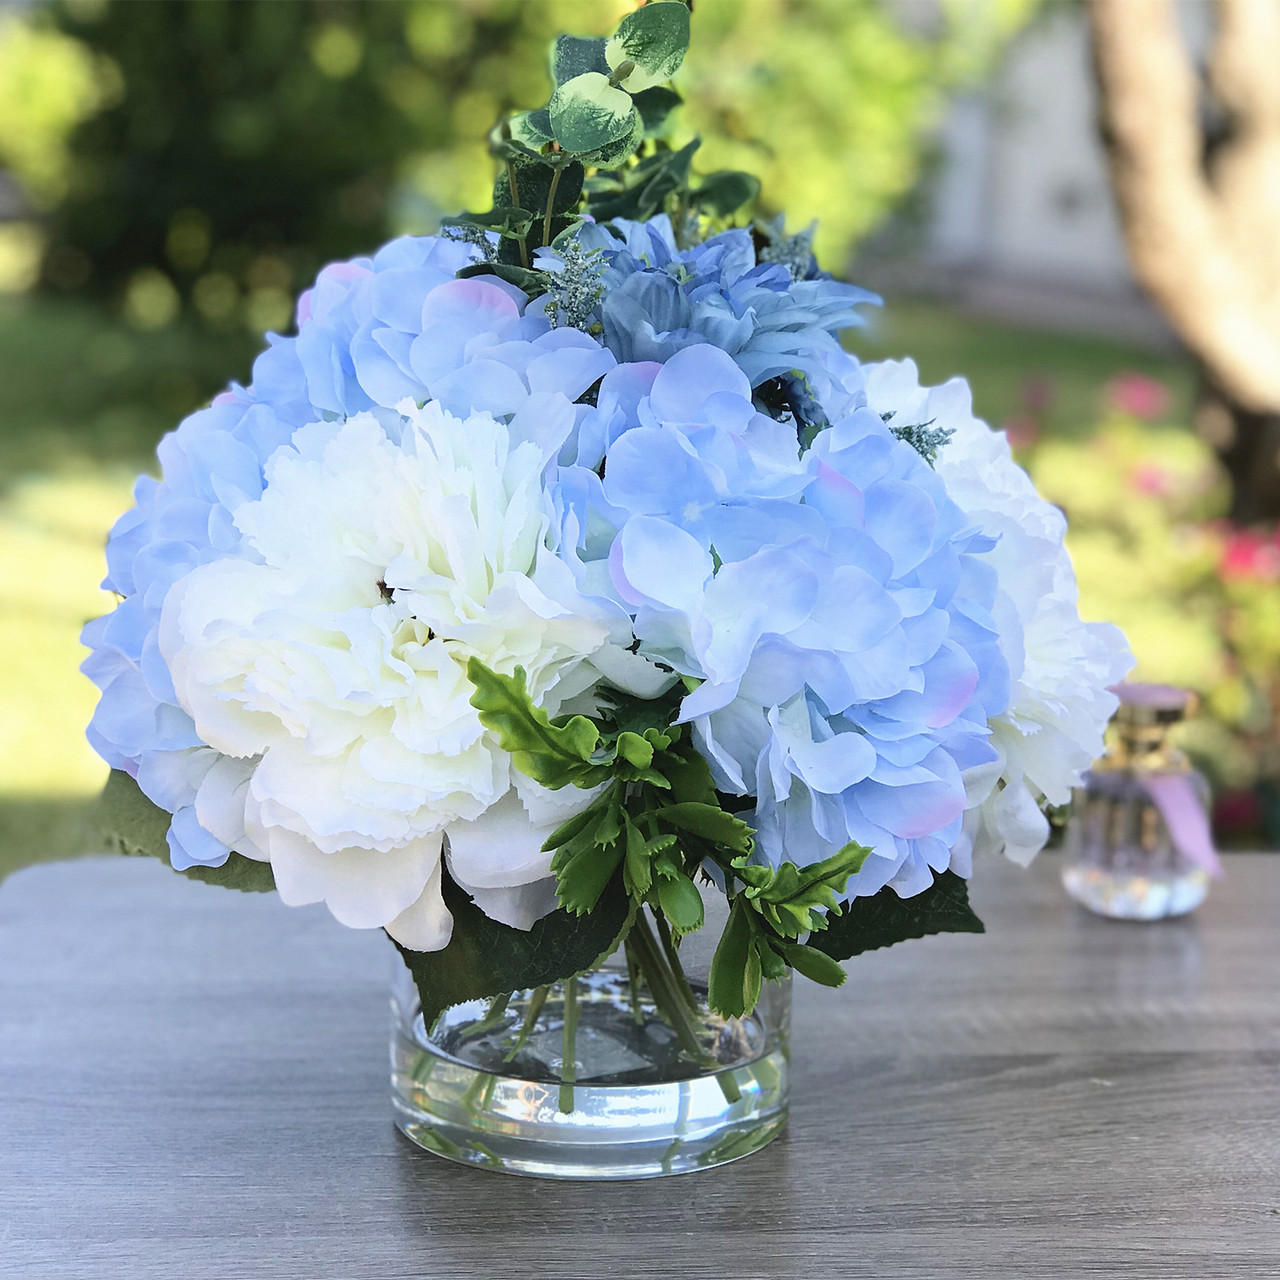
[(1153, 895), (488, 1086)]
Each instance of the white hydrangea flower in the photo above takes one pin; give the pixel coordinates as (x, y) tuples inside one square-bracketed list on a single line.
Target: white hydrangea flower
[(1062, 668), (330, 669)]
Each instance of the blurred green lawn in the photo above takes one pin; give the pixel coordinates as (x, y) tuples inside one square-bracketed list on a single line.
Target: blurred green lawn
[(83, 401)]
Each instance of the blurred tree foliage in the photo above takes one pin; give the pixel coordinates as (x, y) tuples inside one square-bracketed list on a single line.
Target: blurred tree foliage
[(236, 145)]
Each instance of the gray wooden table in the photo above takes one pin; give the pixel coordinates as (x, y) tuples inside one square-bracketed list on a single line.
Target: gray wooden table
[(193, 1084)]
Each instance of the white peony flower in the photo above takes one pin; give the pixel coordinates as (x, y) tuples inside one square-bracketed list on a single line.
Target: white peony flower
[(1062, 668), (330, 669)]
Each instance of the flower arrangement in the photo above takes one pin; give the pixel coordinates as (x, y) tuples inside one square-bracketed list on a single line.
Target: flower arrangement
[(564, 568)]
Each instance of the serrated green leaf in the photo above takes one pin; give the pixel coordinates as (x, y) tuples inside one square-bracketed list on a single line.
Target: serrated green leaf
[(575, 826), (725, 192), (588, 113), (132, 825), (554, 755), (485, 958), (655, 107), (866, 924), (655, 38), (573, 56), (638, 866), (681, 902), (792, 898), (815, 965), (773, 966), (711, 823), (733, 985), (583, 870)]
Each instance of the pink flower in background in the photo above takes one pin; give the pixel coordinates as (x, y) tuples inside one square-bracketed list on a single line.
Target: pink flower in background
[(1022, 431), (1250, 554), (1151, 478), (1138, 395)]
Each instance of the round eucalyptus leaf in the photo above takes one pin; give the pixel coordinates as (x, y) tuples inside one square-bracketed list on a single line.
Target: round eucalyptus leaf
[(588, 113), (655, 38), (532, 128)]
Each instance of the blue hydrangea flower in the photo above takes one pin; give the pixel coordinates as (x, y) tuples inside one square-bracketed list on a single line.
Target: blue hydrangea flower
[(833, 604), (659, 299)]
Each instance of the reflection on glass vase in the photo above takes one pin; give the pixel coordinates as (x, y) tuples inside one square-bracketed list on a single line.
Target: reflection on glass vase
[(1138, 843), (622, 1072)]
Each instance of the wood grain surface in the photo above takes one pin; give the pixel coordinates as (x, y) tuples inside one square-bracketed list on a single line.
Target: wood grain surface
[(193, 1083)]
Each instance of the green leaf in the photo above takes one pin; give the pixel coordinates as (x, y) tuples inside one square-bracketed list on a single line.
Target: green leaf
[(532, 129), (638, 863), (615, 154), (726, 191), (733, 985), (485, 958), (681, 902), (655, 106), (711, 822), (655, 38), (792, 898), (883, 919), (573, 56), (132, 825), (533, 185), (588, 113), (584, 867), (532, 282), (575, 826), (554, 755), (815, 965), (635, 750), (506, 221), (640, 191)]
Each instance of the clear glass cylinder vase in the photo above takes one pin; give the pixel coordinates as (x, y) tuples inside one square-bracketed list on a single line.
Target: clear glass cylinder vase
[(591, 1078)]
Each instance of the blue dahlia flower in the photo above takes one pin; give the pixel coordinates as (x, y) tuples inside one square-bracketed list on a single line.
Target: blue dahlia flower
[(775, 322)]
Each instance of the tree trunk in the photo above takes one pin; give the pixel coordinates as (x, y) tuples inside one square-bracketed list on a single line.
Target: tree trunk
[(1202, 221)]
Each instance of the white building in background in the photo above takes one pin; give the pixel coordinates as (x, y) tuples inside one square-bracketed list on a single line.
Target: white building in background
[(1022, 224)]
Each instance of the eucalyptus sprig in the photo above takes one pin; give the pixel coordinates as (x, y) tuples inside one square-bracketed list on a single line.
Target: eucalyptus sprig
[(599, 146)]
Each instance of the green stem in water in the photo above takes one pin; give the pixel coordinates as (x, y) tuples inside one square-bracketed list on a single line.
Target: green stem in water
[(569, 1067), (551, 205), (633, 982), (493, 1017), (536, 1000), (666, 993), (515, 204), (673, 959)]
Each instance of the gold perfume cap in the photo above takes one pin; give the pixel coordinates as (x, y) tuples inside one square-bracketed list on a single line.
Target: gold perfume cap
[(1144, 717)]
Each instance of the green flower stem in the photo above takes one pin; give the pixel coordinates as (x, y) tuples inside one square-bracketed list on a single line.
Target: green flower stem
[(665, 989), (531, 1014), (551, 204), (673, 959), (569, 1067), (493, 1017), (515, 202), (633, 982)]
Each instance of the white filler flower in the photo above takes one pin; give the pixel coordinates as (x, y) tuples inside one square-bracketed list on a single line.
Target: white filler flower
[(1062, 668), (331, 667)]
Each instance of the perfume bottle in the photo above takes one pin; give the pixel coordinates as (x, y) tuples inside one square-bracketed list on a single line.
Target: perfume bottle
[(1138, 842)]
